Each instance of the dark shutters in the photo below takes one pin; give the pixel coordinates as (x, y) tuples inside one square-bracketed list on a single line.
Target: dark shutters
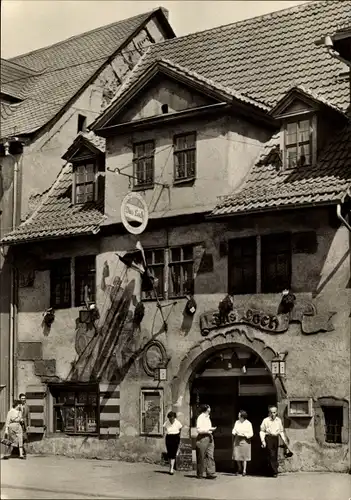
[(242, 266)]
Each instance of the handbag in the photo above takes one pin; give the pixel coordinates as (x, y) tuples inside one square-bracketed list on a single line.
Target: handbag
[(5, 441)]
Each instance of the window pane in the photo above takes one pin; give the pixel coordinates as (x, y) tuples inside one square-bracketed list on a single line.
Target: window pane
[(275, 263), (188, 252), (69, 418), (175, 255), (291, 133), (291, 154), (188, 278), (159, 256), (175, 279)]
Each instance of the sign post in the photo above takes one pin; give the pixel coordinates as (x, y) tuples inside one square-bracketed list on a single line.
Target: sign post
[(134, 213)]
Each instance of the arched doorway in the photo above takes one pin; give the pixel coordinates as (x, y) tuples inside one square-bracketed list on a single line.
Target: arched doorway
[(183, 387), (231, 379)]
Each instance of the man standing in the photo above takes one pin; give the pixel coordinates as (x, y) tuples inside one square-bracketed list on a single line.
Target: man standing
[(205, 445), (270, 430), (26, 421)]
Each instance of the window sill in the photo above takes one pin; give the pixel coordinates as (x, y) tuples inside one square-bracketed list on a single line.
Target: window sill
[(144, 434), (143, 188), (70, 434), (189, 181)]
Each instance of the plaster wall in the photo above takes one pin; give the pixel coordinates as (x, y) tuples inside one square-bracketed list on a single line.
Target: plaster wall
[(225, 150), (318, 365)]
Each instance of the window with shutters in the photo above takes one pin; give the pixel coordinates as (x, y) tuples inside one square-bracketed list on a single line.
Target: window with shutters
[(275, 262), (298, 137), (242, 266), (273, 275), (181, 271), (75, 409), (60, 281), (144, 164), (84, 183), (85, 273), (155, 260), (72, 281), (173, 269), (184, 157)]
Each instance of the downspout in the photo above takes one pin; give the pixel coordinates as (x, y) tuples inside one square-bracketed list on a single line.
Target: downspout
[(13, 282)]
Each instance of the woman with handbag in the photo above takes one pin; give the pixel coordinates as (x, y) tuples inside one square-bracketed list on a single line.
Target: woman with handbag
[(172, 428), (242, 433), (14, 430)]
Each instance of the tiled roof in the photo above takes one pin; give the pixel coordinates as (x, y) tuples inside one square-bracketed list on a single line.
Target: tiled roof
[(268, 186), (14, 78), (263, 57), (57, 216), (64, 68), (85, 138)]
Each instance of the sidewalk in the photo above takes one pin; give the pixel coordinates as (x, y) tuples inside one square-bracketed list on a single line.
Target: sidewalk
[(52, 477)]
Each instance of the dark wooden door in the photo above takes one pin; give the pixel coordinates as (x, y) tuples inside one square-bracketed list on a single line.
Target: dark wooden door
[(221, 393)]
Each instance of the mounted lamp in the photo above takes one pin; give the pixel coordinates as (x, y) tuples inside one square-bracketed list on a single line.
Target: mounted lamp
[(161, 372)]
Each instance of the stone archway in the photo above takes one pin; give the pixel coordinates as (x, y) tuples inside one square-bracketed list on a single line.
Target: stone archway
[(204, 348)]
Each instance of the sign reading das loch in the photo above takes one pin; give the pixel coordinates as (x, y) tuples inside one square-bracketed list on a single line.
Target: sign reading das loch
[(134, 213)]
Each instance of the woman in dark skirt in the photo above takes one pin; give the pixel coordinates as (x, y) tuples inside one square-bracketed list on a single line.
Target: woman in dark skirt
[(172, 428)]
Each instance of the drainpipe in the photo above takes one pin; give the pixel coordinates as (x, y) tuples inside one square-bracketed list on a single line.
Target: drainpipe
[(339, 214), (13, 281)]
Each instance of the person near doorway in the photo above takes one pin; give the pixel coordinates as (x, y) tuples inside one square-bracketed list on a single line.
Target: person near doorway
[(270, 430), (242, 433), (205, 444), (14, 430), (26, 421), (172, 428)]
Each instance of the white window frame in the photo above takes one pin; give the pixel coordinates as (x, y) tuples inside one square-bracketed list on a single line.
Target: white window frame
[(312, 117)]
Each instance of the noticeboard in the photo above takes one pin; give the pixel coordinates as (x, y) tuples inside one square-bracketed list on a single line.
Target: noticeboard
[(185, 457)]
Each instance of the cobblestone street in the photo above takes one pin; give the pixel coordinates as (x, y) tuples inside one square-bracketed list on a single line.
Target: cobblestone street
[(60, 477)]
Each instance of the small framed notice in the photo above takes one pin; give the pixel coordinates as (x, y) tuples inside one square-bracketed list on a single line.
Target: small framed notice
[(151, 415), (300, 407)]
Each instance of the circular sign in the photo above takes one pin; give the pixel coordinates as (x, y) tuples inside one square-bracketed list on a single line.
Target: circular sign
[(134, 213)]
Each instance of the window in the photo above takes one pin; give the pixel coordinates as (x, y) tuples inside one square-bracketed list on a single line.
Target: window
[(181, 271), (84, 280), (184, 157), (82, 123), (155, 260), (60, 280), (82, 271), (274, 273), (298, 143), (143, 162), (333, 417), (75, 409), (84, 185), (151, 414), (275, 262), (242, 266), (174, 270)]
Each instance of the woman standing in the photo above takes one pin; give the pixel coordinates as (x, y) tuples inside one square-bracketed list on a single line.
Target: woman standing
[(242, 433), (172, 428), (14, 429)]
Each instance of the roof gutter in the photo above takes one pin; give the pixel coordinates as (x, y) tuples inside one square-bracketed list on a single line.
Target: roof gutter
[(341, 218)]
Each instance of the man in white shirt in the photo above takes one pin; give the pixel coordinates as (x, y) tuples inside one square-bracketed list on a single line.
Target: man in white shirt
[(205, 444), (270, 430)]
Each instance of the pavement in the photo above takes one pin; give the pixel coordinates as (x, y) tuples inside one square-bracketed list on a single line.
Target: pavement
[(51, 477)]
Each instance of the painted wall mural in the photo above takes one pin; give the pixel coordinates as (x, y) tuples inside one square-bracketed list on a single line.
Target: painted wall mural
[(302, 312)]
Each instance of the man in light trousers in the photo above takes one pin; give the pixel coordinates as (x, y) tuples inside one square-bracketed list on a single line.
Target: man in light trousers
[(205, 445)]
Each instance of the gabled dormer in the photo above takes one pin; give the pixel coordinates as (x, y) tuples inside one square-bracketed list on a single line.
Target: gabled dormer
[(307, 123), (87, 156)]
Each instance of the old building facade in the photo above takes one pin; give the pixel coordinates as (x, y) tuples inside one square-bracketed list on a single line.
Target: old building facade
[(246, 184), (47, 97)]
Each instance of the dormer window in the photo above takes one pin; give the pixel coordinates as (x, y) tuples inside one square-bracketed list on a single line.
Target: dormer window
[(298, 137), (84, 182)]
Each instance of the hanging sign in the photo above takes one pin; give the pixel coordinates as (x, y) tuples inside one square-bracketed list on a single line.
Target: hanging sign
[(134, 213)]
